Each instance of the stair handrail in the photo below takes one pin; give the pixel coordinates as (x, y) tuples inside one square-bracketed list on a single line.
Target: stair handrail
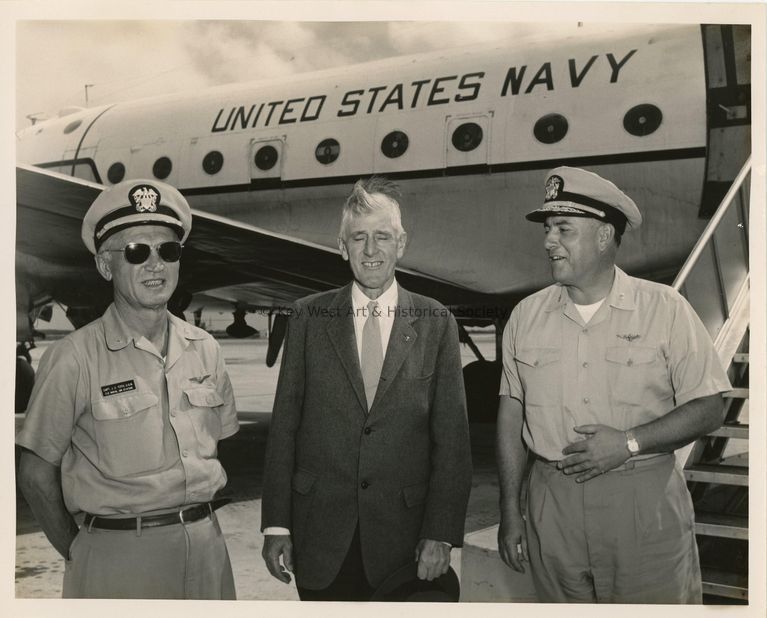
[(724, 206)]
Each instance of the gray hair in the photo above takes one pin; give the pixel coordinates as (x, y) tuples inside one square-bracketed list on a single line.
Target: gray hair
[(359, 203)]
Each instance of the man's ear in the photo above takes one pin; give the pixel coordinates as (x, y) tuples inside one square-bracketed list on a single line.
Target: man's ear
[(103, 265), (401, 244), (605, 234), (342, 248)]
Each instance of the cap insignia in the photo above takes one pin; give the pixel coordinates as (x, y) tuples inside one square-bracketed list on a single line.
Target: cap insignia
[(144, 198), (553, 187)]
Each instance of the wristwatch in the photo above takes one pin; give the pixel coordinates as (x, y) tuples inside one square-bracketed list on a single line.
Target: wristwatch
[(631, 443)]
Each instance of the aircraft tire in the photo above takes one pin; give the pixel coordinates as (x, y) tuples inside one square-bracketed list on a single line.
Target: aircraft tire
[(482, 380), (25, 380)]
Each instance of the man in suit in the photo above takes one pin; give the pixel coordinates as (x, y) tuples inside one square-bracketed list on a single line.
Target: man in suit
[(368, 464)]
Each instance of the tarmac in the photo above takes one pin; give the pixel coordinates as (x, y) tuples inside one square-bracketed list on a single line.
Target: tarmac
[(39, 568)]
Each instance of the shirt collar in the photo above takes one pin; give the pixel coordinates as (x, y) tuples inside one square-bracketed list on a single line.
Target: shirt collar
[(389, 298), (118, 334), (621, 295)]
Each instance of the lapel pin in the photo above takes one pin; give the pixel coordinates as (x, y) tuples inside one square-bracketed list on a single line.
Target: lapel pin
[(407, 337)]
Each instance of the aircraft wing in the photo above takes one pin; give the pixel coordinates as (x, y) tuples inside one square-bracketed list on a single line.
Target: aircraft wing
[(237, 262)]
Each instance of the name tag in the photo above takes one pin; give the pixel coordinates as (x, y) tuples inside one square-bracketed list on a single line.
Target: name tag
[(117, 388)]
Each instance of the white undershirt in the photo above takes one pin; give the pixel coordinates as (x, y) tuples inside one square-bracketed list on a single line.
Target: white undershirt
[(587, 311)]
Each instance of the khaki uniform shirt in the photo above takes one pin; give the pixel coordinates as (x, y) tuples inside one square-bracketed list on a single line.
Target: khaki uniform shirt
[(132, 432), (642, 354)]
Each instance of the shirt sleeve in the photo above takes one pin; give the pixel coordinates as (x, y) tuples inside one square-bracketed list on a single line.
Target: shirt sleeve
[(228, 413), (694, 365), (54, 404), (510, 383)]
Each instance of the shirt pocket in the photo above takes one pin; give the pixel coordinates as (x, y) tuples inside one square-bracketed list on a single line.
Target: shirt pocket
[(634, 374), (129, 434), (540, 371), (203, 411)]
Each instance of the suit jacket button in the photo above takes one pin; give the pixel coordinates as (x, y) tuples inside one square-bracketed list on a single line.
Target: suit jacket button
[(368, 431), (364, 484)]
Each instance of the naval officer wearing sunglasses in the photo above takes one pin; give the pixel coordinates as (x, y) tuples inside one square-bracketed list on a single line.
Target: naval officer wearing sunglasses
[(123, 423)]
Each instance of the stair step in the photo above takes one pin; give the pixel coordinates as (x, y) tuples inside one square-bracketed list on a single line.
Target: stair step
[(724, 584), (725, 475), (736, 393), (740, 357), (728, 526), (732, 430)]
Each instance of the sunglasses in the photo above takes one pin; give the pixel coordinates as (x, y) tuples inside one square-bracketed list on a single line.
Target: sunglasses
[(138, 252)]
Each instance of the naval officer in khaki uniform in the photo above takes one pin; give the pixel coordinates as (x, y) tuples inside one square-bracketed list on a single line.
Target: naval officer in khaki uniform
[(125, 417), (604, 376)]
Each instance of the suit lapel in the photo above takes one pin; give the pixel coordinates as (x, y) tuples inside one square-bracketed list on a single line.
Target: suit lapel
[(340, 331), (401, 340)]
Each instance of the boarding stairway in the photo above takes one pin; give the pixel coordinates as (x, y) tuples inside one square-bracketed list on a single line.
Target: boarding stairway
[(715, 280)]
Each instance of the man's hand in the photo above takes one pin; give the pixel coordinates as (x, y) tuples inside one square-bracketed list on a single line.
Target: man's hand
[(512, 542), (603, 449), (276, 545), (433, 559)]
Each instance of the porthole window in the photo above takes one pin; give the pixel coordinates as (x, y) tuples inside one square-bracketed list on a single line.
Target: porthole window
[(550, 129), (116, 172), (266, 158), (72, 126), (162, 168), (213, 162), (394, 144), (642, 119), (467, 136), (327, 151)]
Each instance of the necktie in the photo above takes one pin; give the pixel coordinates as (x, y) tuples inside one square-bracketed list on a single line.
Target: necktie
[(372, 353)]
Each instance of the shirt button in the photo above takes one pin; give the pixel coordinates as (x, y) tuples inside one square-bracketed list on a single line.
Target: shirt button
[(173, 414), (585, 331), (368, 431), (184, 453), (364, 484), (629, 362), (586, 400), (585, 365), (535, 364)]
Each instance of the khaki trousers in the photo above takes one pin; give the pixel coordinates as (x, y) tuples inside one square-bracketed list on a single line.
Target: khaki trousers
[(180, 561), (626, 536)]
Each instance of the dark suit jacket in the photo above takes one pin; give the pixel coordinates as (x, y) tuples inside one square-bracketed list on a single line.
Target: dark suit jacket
[(403, 470)]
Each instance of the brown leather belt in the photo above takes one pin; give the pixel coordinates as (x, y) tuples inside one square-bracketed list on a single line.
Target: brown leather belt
[(182, 516)]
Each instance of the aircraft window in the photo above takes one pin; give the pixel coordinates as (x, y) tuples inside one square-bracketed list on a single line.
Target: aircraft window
[(642, 119), (213, 162), (266, 158), (394, 144), (327, 151), (467, 136), (72, 126), (162, 167), (116, 173), (550, 128)]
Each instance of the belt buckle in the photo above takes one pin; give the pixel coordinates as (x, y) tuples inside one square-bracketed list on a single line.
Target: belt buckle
[(181, 516)]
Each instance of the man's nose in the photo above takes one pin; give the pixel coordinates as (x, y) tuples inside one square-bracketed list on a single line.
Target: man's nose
[(371, 246), (550, 240), (154, 261)]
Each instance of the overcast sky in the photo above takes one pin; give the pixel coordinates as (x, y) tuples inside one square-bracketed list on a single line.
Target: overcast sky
[(125, 60)]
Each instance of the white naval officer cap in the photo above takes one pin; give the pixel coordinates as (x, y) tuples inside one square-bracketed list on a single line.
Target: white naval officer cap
[(574, 192), (135, 202)]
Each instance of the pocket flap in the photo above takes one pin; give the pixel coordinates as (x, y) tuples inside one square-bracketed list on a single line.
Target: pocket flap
[(204, 397), (634, 355), (537, 357), (123, 407), (415, 494), (303, 481)]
